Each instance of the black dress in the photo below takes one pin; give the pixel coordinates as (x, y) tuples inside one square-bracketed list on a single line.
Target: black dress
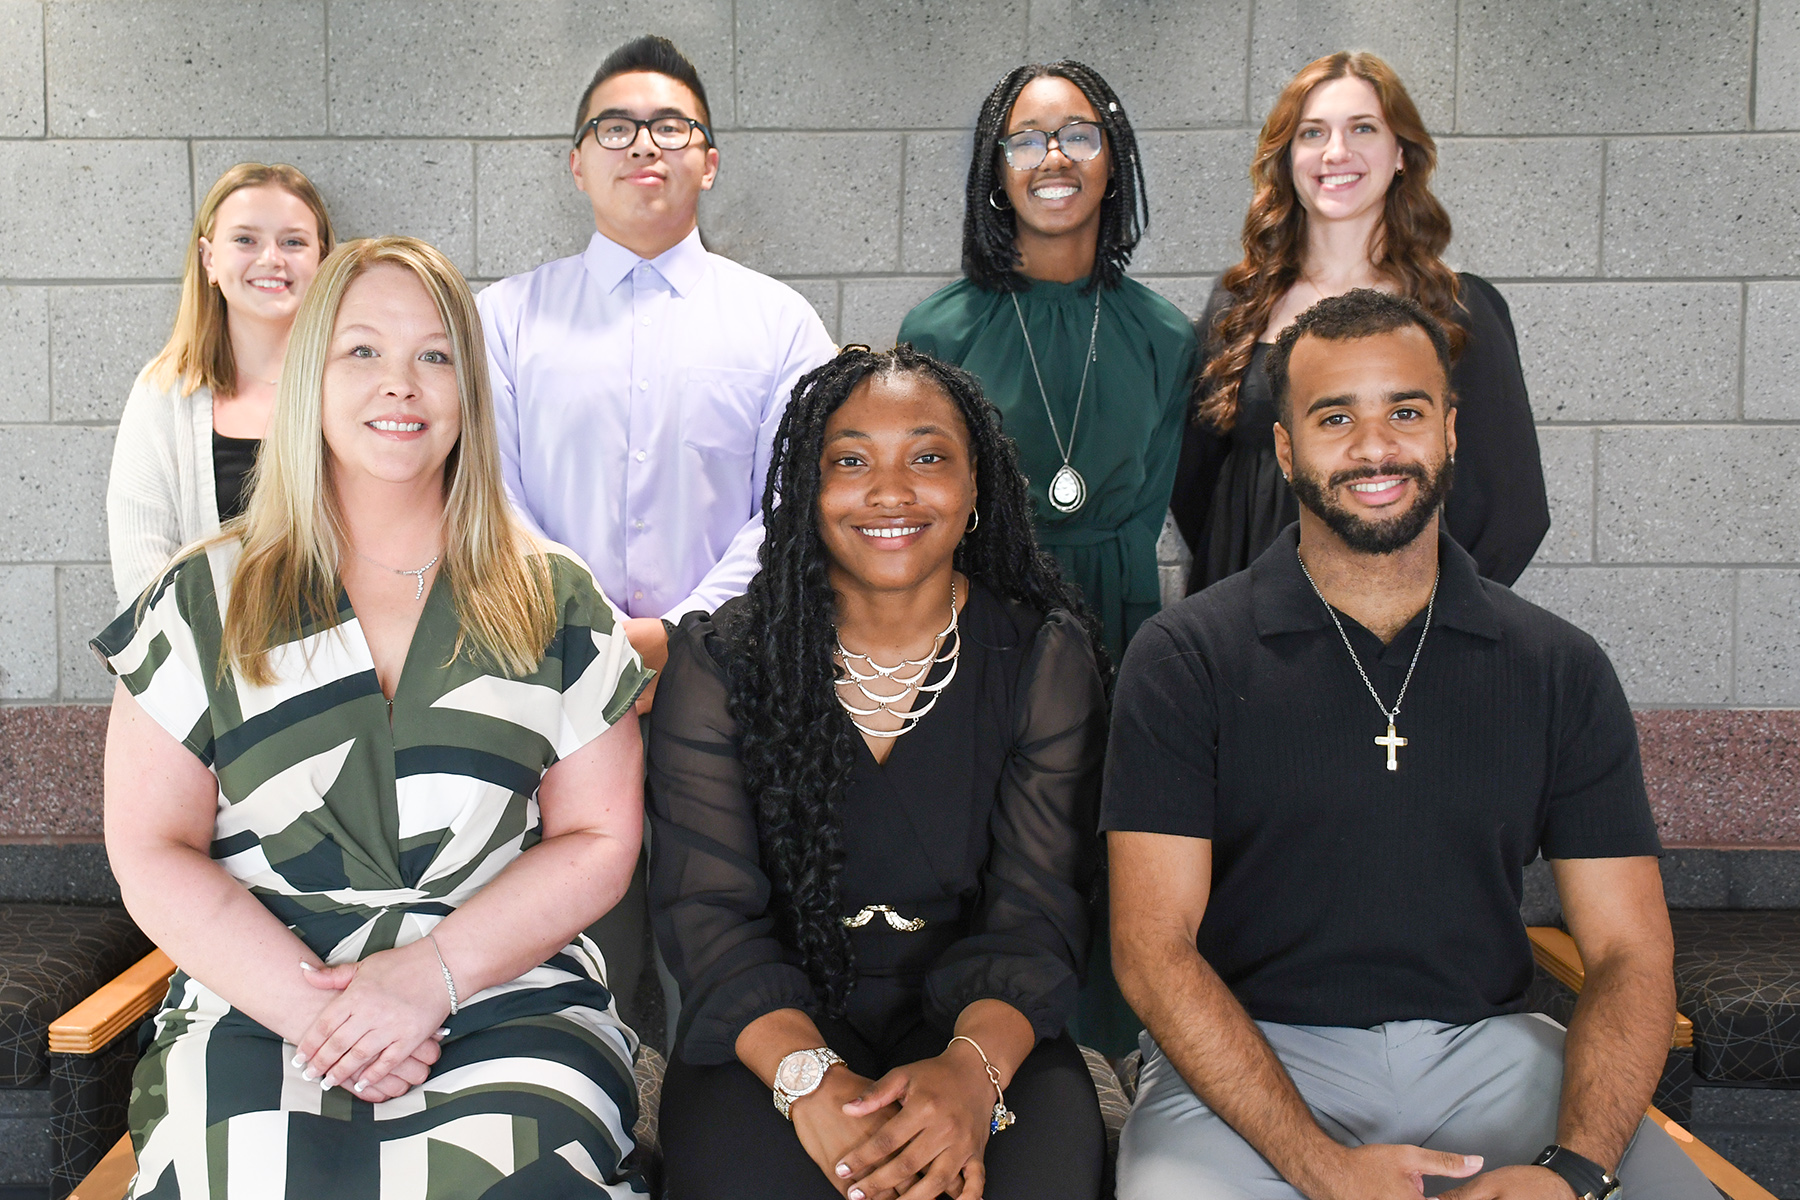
[(1231, 501), (982, 821)]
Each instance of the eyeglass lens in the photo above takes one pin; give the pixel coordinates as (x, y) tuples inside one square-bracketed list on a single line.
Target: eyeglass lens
[(669, 133), (1027, 149)]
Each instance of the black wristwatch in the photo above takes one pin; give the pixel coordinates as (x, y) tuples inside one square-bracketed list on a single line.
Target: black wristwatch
[(1587, 1177)]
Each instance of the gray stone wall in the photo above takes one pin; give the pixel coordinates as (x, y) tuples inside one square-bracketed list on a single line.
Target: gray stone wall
[(1627, 172)]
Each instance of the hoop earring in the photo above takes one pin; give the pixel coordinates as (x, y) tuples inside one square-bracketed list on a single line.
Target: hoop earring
[(974, 521), (1112, 189), (995, 204)]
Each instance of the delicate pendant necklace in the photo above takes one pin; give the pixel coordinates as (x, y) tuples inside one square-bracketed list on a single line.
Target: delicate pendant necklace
[(1393, 741), (898, 675), (1068, 490), (418, 573)]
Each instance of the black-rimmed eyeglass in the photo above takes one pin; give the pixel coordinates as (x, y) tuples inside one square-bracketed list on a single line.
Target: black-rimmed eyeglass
[(668, 132), (1027, 149)]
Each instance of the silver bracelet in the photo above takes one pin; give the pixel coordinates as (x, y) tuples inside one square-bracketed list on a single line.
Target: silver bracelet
[(449, 983)]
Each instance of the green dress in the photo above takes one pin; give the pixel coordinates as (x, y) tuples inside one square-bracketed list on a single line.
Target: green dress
[(1129, 436), (362, 831)]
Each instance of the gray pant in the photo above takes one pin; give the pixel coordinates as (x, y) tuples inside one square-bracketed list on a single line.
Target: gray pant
[(1491, 1088)]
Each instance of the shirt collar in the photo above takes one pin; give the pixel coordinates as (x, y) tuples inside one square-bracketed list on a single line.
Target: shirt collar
[(682, 265), (1284, 602)]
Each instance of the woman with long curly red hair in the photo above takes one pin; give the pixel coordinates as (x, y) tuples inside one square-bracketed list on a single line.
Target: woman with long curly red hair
[(1343, 200)]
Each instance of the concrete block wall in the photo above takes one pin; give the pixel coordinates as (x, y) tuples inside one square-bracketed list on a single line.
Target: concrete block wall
[(1625, 171)]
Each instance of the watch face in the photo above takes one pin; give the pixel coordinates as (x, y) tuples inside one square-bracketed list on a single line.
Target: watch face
[(799, 1073)]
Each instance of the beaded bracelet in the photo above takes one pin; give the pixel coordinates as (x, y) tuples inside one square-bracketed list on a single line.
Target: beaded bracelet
[(449, 983), (1003, 1117)]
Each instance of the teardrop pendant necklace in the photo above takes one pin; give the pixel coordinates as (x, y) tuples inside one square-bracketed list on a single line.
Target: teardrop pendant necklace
[(417, 573), (1068, 490)]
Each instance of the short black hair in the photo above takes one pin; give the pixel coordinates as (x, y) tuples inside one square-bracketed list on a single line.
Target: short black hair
[(990, 254), (1361, 313), (653, 53)]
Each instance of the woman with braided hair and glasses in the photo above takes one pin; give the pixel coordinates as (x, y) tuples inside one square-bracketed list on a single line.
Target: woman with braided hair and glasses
[(874, 781), (1090, 370)]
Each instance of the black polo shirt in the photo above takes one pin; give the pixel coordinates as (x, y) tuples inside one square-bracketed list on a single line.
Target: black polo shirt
[(1344, 893)]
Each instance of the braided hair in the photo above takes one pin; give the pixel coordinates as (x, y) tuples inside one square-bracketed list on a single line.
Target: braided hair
[(990, 253), (797, 747)]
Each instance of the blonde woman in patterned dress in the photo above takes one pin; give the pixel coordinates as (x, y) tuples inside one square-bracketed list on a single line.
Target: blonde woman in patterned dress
[(372, 768)]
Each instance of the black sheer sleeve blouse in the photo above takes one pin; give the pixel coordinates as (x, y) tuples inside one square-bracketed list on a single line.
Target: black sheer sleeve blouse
[(982, 821)]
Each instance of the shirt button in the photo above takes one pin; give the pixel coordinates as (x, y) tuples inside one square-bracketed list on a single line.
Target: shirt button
[(637, 595), (641, 456), (646, 320), (643, 385), (637, 524)]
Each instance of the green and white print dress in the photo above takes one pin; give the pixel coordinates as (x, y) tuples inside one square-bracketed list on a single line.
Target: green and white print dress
[(362, 837)]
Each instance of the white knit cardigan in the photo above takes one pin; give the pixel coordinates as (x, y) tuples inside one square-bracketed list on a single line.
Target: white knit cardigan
[(160, 495)]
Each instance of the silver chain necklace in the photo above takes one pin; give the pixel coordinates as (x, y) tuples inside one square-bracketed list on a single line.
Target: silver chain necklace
[(1068, 490), (1393, 741), (920, 668), (418, 573)]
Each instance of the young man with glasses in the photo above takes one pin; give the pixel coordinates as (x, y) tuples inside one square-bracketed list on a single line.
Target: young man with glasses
[(637, 385)]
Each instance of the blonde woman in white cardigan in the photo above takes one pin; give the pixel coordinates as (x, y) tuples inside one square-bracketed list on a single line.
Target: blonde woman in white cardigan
[(190, 429)]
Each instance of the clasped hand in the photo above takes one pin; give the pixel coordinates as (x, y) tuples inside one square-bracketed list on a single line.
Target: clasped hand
[(934, 1144), (379, 1035)]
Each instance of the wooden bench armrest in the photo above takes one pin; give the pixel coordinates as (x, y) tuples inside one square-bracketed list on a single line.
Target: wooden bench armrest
[(1721, 1174), (114, 1008), (1555, 951), (111, 1175)]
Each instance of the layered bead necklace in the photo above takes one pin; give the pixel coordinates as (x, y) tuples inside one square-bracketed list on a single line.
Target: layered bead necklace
[(907, 675)]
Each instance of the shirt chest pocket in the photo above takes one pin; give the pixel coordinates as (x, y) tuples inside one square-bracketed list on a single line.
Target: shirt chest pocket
[(721, 411)]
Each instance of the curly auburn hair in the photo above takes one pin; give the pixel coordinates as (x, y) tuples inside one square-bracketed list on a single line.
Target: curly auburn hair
[(1414, 230), (796, 745), (990, 253)]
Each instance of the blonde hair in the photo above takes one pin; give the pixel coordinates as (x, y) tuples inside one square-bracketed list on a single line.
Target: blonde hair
[(286, 581), (199, 348)]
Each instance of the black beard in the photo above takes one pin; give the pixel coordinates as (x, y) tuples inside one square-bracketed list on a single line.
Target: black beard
[(1390, 533)]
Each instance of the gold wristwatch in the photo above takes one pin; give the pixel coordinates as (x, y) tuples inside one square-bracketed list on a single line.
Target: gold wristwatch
[(800, 1074)]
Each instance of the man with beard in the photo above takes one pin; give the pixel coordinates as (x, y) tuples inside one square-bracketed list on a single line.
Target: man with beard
[(1326, 775)]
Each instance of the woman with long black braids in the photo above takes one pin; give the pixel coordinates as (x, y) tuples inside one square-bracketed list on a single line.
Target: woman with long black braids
[(1090, 370), (875, 779)]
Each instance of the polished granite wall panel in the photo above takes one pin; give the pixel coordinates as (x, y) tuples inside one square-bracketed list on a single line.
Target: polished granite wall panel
[(527, 207), (1778, 64), (22, 68), (93, 209), (1522, 208), (100, 338), (1725, 778), (27, 631), (1772, 352), (24, 354), (50, 771), (176, 68), (1174, 66), (1702, 206), (1568, 458), (1687, 494), (1415, 37), (1605, 66), (1630, 352), (500, 68)]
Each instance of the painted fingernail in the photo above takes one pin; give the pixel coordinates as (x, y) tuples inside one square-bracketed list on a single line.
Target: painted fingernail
[(856, 1194), (843, 1170), (443, 1033), (308, 1075), (306, 966), (358, 1086), (329, 1083), (299, 1060)]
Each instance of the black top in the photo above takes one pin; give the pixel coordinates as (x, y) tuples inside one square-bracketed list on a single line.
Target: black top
[(982, 820), (1343, 893), (232, 459), (1231, 501)]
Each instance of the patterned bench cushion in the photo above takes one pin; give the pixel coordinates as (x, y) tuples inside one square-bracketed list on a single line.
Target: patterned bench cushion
[(52, 957), (1737, 977)]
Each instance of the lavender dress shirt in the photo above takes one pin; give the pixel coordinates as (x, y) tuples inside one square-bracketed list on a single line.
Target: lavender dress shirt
[(636, 402)]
